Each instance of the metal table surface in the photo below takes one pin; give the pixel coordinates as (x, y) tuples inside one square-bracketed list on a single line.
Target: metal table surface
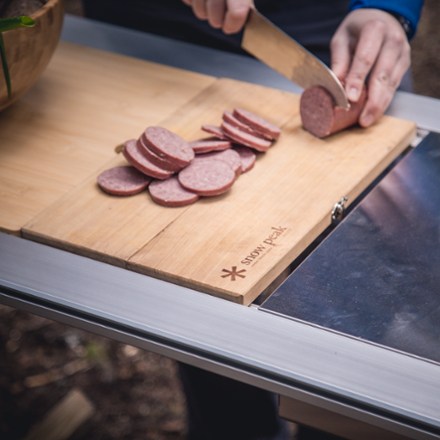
[(375, 277), (362, 381)]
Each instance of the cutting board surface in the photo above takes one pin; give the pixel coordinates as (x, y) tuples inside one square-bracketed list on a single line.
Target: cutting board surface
[(61, 131), (232, 246)]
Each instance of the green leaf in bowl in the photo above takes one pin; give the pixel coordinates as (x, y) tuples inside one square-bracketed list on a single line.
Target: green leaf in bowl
[(6, 24)]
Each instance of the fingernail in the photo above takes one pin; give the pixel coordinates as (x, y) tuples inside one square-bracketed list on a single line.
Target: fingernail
[(367, 119), (353, 94)]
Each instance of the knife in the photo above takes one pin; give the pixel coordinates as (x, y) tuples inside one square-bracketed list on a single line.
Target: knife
[(272, 46)]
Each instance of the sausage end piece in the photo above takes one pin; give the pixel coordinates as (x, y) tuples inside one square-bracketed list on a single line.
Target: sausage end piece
[(321, 117)]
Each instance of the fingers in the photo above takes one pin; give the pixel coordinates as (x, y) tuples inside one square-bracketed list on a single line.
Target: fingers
[(385, 77), (236, 14), (341, 53), (199, 8), (366, 53), (228, 15), (216, 13)]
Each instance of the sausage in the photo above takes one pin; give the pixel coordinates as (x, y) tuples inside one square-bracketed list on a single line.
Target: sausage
[(214, 130), (259, 124), (321, 117), (207, 177), (230, 156), (168, 145), (246, 139), (231, 119), (136, 158), (171, 193), (247, 157), (159, 154), (208, 145), (160, 162), (123, 181)]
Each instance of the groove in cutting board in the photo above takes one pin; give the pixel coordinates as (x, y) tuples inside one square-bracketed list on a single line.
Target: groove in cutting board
[(232, 246)]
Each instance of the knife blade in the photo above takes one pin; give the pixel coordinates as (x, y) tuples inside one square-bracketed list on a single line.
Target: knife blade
[(272, 46)]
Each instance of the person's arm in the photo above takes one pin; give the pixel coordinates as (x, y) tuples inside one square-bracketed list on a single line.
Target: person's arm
[(406, 11)]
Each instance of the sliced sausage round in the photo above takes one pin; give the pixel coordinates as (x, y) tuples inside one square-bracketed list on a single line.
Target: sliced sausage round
[(156, 159), (136, 158), (168, 145), (231, 119), (123, 181), (247, 157), (259, 124), (214, 130), (321, 117), (230, 156), (207, 177), (208, 145), (246, 139), (171, 193)]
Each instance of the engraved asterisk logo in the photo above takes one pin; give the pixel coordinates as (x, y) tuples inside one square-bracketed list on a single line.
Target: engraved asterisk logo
[(233, 273)]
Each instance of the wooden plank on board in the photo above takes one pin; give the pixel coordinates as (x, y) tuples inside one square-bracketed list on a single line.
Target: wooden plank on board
[(67, 125)]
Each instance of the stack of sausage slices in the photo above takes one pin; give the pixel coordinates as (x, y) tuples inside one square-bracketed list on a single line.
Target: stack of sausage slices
[(178, 173)]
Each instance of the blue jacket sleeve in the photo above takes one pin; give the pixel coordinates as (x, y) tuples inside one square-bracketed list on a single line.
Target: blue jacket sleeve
[(409, 9)]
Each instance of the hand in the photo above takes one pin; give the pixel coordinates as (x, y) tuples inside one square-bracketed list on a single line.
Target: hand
[(227, 15), (371, 45)]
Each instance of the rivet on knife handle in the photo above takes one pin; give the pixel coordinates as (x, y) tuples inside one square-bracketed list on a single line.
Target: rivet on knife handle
[(272, 46)]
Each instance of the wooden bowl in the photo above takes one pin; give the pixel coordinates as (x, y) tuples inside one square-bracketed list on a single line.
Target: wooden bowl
[(29, 50)]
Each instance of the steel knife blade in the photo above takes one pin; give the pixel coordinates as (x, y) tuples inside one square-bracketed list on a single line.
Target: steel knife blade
[(272, 46)]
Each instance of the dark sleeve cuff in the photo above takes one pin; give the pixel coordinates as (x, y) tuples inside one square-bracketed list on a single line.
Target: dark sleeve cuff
[(406, 11)]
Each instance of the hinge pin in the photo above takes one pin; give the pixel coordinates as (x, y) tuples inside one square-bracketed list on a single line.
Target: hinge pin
[(339, 209)]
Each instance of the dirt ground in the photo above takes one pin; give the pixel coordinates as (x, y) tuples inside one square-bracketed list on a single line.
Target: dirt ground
[(136, 395)]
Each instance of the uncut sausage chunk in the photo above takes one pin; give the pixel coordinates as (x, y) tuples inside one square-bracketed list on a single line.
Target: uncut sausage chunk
[(246, 139), (168, 145), (136, 158), (207, 177), (259, 124), (123, 181), (171, 193), (321, 117)]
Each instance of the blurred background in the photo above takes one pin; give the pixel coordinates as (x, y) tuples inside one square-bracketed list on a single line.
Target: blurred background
[(130, 394)]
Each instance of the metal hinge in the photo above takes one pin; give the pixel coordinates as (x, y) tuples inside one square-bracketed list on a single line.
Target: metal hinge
[(339, 210)]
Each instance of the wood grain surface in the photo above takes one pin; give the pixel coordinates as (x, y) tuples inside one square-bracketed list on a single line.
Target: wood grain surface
[(67, 125), (232, 246)]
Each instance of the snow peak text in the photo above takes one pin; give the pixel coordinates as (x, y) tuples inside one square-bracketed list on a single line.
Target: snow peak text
[(265, 245)]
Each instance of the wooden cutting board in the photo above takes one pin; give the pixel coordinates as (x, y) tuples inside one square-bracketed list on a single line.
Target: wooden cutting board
[(66, 127), (232, 246)]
